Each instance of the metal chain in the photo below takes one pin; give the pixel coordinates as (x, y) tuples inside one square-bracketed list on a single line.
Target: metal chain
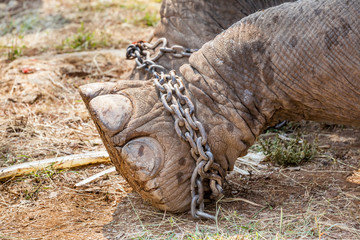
[(174, 99)]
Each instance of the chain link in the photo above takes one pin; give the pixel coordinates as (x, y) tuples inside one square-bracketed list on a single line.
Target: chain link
[(174, 99)]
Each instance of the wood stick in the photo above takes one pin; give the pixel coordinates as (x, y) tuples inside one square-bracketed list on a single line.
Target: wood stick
[(71, 161), (93, 177)]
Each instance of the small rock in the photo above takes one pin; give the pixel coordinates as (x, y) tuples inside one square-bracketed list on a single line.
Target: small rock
[(31, 98), (293, 168), (53, 195), (25, 202)]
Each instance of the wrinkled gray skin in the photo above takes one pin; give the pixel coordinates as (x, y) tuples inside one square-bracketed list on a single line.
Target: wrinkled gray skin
[(193, 23), (294, 61)]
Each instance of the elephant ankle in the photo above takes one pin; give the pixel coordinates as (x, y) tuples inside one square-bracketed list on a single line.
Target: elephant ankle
[(230, 132)]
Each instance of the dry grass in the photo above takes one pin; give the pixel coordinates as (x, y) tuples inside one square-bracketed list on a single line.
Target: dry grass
[(296, 204), (42, 28), (310, 215), (42, 113), (57, 124), (46, 205)]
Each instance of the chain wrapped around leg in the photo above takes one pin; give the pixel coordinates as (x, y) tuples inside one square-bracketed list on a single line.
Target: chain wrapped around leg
[(189, 129)]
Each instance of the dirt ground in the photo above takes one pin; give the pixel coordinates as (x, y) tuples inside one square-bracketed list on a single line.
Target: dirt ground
[(43, 116)]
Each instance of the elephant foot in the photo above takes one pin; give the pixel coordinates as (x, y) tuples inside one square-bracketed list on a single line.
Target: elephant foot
[(141, 140)]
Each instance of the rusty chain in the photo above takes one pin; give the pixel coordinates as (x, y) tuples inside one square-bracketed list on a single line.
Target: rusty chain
[(207, 172)]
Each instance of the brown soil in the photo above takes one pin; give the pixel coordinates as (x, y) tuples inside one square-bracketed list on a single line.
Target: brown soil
[(42, 116), (316, 199)]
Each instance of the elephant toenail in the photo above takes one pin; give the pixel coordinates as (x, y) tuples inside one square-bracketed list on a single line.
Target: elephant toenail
[(92, 90), (112, 111), (144, 157)]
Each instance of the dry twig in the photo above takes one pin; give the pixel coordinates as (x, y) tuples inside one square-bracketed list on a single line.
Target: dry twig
[(71, 161)]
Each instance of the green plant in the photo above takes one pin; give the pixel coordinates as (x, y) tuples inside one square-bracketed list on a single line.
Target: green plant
[(15, 50), (37, 179), (84, 40), (150, 19), (46, 173), (287, 151), (31, 194)]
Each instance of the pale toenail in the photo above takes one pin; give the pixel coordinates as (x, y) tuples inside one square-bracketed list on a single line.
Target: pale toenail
[(144, 156), (113, 112)]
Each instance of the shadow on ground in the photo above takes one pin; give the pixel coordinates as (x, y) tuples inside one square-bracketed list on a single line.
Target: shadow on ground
[(311, 201)]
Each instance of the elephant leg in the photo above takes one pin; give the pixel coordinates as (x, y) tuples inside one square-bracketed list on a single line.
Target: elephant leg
[(193, 23), (251, 75), (298, 61)]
